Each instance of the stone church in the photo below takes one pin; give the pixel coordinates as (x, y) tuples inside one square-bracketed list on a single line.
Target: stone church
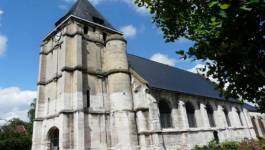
[(92, 95)]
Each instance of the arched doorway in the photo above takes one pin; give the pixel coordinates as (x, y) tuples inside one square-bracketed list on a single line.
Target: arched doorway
[(53, 137)]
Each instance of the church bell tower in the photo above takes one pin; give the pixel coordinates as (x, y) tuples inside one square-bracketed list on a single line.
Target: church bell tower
[(84, 92)]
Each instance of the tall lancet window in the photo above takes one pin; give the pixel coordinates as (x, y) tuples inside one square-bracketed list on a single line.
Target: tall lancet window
[(210, 114), (227, 117), (239, 116), (254, 125), (191, 115), (261, 125), (165, 114)]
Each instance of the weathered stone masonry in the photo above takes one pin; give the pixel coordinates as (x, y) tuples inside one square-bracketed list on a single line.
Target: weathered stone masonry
[(89, 97)]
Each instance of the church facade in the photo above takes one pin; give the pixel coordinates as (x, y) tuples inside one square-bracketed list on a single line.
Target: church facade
[(92, 95)]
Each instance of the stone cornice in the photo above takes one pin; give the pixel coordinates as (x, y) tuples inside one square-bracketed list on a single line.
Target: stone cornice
[(58, 45), (99, 74), (55, 78), (177, 130), (116, 37), (92, 72), (141, 109), (85, 37), (85, 110)]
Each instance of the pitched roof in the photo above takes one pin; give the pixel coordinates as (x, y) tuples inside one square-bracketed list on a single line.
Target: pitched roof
[(85, 10), (250, 107), (162, 76)]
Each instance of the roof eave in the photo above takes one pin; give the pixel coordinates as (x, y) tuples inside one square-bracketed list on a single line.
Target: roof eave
[(184, 93), (79, 19)]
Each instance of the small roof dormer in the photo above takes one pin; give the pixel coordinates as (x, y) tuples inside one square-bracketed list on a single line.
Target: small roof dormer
[(84, 10)]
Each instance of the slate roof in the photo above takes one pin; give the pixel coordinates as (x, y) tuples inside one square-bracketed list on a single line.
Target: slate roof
[(165, 77), (250, 107), (160, 76), (85, 10)]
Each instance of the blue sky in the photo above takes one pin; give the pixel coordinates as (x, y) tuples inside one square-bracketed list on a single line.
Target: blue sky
[(23, 25)]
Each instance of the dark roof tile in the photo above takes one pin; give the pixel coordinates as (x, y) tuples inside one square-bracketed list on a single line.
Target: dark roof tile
[(85, 10), (173, 79)]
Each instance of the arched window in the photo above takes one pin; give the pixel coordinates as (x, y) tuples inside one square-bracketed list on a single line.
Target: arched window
[(165, 114), (209, 110), (191, 115), (227, 117), (239, 116), (255, 126), (53, 136), (261, 126)]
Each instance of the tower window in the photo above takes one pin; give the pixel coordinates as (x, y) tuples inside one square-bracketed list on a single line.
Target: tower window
[(98, 20), (209, 110), (88, 98), (165, 114), (191, 115), (85, 30)]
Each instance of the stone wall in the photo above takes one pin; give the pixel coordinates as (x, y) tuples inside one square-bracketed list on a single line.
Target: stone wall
[(258, 121), (180, 136)]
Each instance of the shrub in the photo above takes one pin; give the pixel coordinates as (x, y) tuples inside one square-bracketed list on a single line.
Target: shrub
[(232, 145), (212, 145), (229, 145)]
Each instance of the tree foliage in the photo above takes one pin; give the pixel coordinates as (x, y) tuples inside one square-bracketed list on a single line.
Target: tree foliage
[(228, 34), (13, 139), (31, 112)]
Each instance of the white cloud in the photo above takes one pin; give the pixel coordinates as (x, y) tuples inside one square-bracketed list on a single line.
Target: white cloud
[(183, 40), (129, 31), (141, 10), (15, 102), (164, 59), (3, 44), (198, 70)]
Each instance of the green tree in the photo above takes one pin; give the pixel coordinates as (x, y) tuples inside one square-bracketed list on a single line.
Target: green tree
[(31, 112), (228, 34), (31, 115), (13, 139)]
